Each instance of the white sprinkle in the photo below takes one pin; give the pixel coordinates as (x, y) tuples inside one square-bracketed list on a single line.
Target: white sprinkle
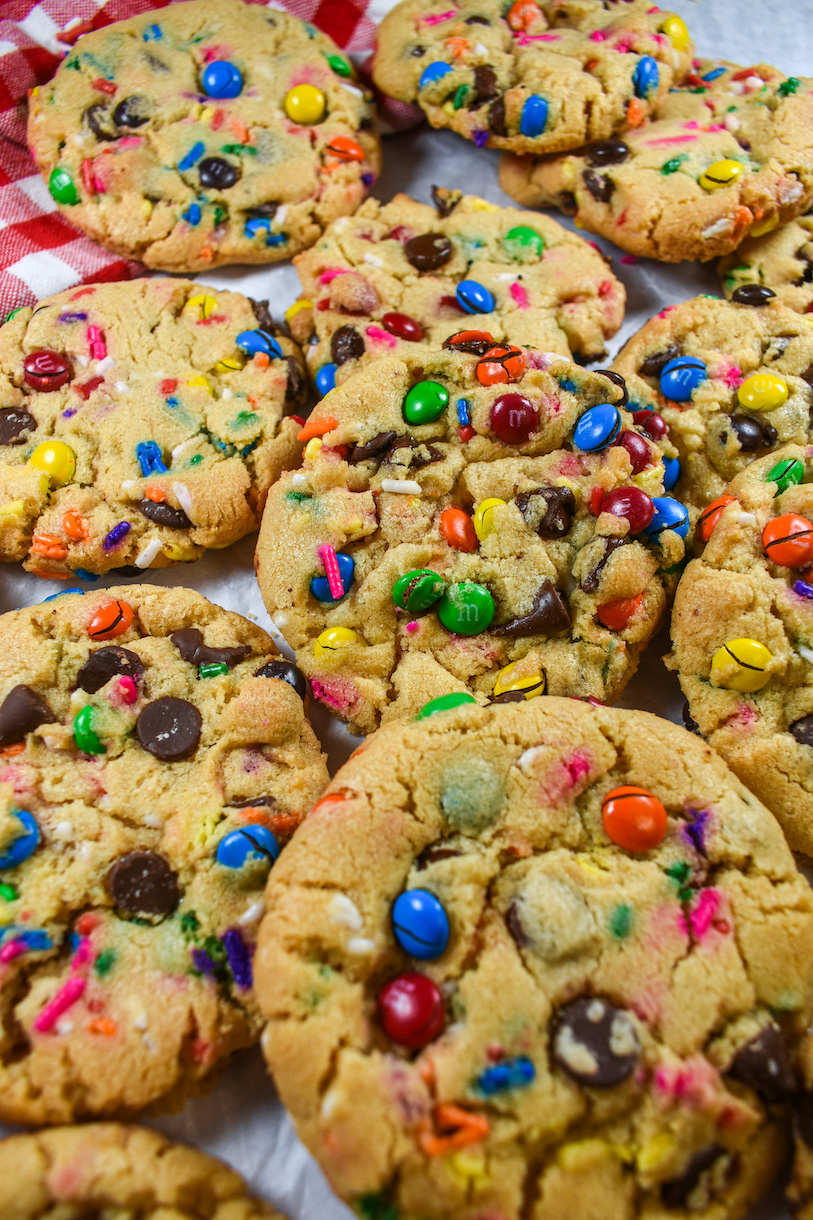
[(184, 445), (64, 1027), (405, 487), (328, 1105), (85, 850), (479, 49), (720, 226), (754, 82), (300, 479), (373, 260), (153, 820), (63, 831), (84, 361), (342, 910), (184, 499), (253, 913), (78, 700), (141, 1021), (792, 193), (731, 122), (525, 761), (150, 1043), (354, 90), (805, 653), (122, 387), (360, 945), (128, 484), (227, 393), (151, 550), (746, 519), (737, 86), (52, 743), (280, 214), (103, 365), (505, 275)]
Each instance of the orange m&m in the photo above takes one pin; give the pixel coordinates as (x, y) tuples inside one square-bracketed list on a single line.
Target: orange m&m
[(501, 364), (457, 528), (789, 540), (616, 615), (633, 818), (110, 620), (711, 515), (522, 14)]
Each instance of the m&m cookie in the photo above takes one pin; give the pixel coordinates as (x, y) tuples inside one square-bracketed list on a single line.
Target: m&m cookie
[(557, 952), (154, 758), (780, 262)]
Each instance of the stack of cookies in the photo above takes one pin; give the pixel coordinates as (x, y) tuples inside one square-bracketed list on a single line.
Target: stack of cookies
[(518, 959)]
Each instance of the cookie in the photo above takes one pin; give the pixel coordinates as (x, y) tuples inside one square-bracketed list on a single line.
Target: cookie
[(154, 754), (532, 78), (742, 629), (800, 1190), (486, 523), (781, 261), (727, 155), (720, 384), (207, 133), (548, 953), (142, 424), (131, 1171), (403, 273)]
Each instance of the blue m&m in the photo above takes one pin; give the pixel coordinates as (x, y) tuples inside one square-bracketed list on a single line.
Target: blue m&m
[(222, 79), (420, 923), (534, 117), (646, 76), (681, 377), (325, 379), (320, 586), (433, 72), (669, 515), (247, 845), (26, 842), (597, 428), (671, 473), (253, 341), (474, 297), (509, 1074)]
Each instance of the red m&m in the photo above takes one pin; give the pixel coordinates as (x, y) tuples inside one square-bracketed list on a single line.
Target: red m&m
[(514, 418), (631, 503), (711, 515), (403, 327), (46, 370), (411, 1010), (634, 818), (788, 540)]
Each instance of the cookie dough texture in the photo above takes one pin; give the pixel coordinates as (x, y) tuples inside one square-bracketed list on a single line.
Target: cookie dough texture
[(800, 1191), (650, 195), (141, 159), (377, 490), (577, 61), (497, 812), (735, 591), (118, 993), (733, 342), (154, 382), (132, 1172), (781, 260), (550, 289)]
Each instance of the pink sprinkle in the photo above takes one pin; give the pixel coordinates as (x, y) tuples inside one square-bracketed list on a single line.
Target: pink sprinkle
[(128, 689), (437, 18), (538, 360), (704, 911), (577, 767), (671, 140), (413, 626), (130, 141), (628, 259), (379, 335), (331, 273), (337, 694), (668, 309), (64, 999), (83, 955), (693, 125), (11, 950), (98, 347), (334, 579), (716, 127), (623, 45), (519, 294), (523, 39), (598, 36)]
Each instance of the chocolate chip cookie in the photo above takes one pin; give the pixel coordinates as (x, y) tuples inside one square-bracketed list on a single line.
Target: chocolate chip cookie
[(154, 756), (780, 262), (142, 424), (551, 953), (207, 133)]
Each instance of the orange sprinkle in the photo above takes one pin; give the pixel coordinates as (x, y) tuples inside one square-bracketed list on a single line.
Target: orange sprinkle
[(48, 546), (426, 1070), (104, 1026), (743, 218), (261, 360), (74, 525), (284, 824), (86, 923), (206, 253), (458, 46), (239, 130), (332, 798), (317, 427), (457, 1129), (155, 494), (13, 750), (636, 112), (358, 750)]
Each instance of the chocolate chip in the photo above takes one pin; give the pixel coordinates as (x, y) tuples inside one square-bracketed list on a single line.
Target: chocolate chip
[(472, 347), (514, 925), (591, 580), (549, 616), (142, 883), (417, 52), (169, 728), (496, 118), (548, 510), (618, 380), (100, 122), (373, 449), (807, 375), (346, 344), (595, 1042), (696, 1186), (128, 569), (260, 308), (216, 174), (189, 642), (286, 672), (161, 513), (15, 424), (428, 251), (106, 663), (423, 454), (155, 63), (432, 854), (22, 711), (509, 696), (485, 86), (445, 200), (132, 111), (255, 802), (654, 365), (802, 730), (764, 1065), (477, 21), (689, 721), (752, 294), (607, 152), (295, 389), (804, 1118), (600, 188), (751, 433)]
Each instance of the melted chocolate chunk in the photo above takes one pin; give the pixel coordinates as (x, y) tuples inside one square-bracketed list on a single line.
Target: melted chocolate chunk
[(428, 251), (15, 424), (189, 642), (549, 616), (100, 122), (417, 52), (477, 21), (763, 1064), (618, 380), (696, 1186), (599, 186), (431, 854), (286, 672), (595, 1042), (548, 510), (260, 308), (106, 663), (295, 389), (654, 365), (807, 375), (445, 200), (472, 347), (496, 118), (346, 344), (422, 453), (161, 513), (255, 802), (22, 711), (804, 1118), (142, 883), (751, 433), (591, 580), (132, 111), (169, 728), (606, 152), (485, 86), (373, 450), (802, 730), (514, 925), (689, 721), (509, 696)]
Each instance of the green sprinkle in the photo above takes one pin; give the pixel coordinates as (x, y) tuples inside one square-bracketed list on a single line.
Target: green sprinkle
[(297, 497), (460, 96), (196, 460), (679, 872), (220, 213), (789, 86), (189, 923), (376, 1207), (784, 474), (672, 166), (214, 670), (104, 962), (244, 418), (7, 891), (340, 66), (72, 63), (237, 149), (621, 921)]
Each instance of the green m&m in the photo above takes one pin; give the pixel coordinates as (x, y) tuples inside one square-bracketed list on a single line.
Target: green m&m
[(425, 402), (61, 186), (785, 474), (466, 608), (416, 591), (340, 66), (445, 703), (83, 734), (523, 241)]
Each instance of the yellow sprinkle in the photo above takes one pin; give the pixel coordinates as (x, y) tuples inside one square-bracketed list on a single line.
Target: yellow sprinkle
[(577, 222), (12, 510), (201, 381), (482, 205), (449, 108), (296, 308), (208, 112), (470, 1166), (568, 172), (312, 448), (146, 207), (35, 92), (655, 1152), (582, 1154)]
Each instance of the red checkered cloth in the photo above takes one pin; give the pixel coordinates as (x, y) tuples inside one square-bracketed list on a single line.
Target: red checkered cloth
[(40, 253)]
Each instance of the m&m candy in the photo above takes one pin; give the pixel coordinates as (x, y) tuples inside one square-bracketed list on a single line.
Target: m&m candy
[(741, 665), (534, 117), (458, 529), (25, 844), (320, 585), (675, 29), (514, 419), (420, 924), (720, 175), (403, 327), (466, 608), (56, 459), (523, 242), (633, 818), (500, 364), (788, 540), (669, 515), (711, 515), (616, 616), (762, 392), (785, 474), (474, 297), (46, 370), (416, 591), (526, 686), (221, 79), (445, 703), (671, 473), (325, 379), (335, 638), (110, 620), (681, 377), (87, 740), (433, 72), (637, 449), (484, 517), (425, 402), (411, 1010), (248, 844), (632, 504), (305, 105), (253, 341), (597, 428), (62, 186), (646, 76)]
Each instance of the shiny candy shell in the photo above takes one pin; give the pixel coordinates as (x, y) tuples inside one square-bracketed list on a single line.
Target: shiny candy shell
[(527, 685), (222, 79), (638, 450), (762, 392), (57, 460), (634, 818), (474, 297), (253, 341), (320, 588), (247, 845), (110, 620), (523, 242), (433, 72), (420, 924), (711, 515), (597, 428), (87, 740), (616, 616), (681, 377), (62, 186), (445, 703), (675, 29), (785, 474), (484, 523), (788, 540), (632, 504), (416, 591), (669, 515), (534, 117), (720, 175), (425, 402), (335, 638), (411, 1010), (740, 665), (458, 529), (501, 363), (466, 608), (671, 473), (46, 370), (305, 105), (646, 76), (403, 327), (25, 844), (325, 379), (514, 419)]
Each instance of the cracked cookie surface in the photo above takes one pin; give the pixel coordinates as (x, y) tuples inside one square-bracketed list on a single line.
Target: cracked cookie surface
[(403, 272), (535, 78), (207, 133), (71, 1172), (742, 632), (781, 260), (727, 154), (153, 756), (598, 1037), (489, 538), (141, 424)]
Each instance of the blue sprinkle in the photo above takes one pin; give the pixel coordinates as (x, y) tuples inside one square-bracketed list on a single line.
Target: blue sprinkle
[(480, 138), (149, 457), (74, 941), (83, 574), (801, 588), (325, 379), (432, 73), (71, 411), (64, 593), (192, 214), (37, 941), (172, 402), (223, 446), (715, 72), (569, 385), (239, 958), (152, 32), (464, 412), (368, 179), (73, 317), (510, 1074), (195, 153), (257, 224), (203, 963), (117, 534), (276, 239), (311, 29), (534, 118)]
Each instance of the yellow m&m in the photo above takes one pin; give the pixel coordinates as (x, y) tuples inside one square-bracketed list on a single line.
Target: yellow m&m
[(529, 685), (56, 459), (762, 392), (484, 523), (335, 638), (740, 665), (720, 175), (201, 304), (675, 29), (305, 104)]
